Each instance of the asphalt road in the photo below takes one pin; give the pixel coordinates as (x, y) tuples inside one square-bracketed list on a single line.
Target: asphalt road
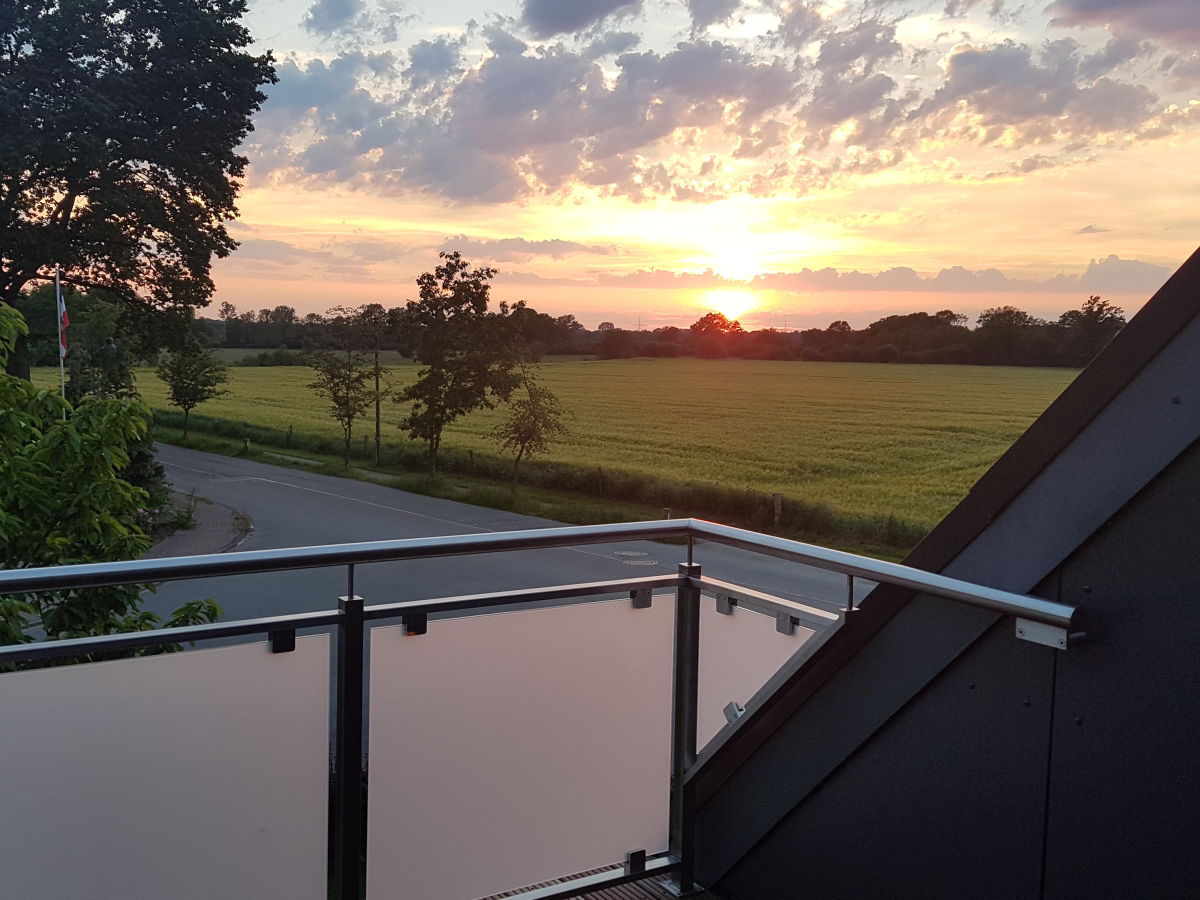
[(295, 508)]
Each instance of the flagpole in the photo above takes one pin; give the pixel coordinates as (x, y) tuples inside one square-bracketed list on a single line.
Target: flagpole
[(58, 314)]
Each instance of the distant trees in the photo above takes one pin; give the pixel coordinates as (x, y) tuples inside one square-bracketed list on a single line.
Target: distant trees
[(1087, 330), (193, 376), (1003, 335), (470, 353)]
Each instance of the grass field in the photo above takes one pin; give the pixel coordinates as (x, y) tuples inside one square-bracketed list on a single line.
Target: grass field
[(868, 439)]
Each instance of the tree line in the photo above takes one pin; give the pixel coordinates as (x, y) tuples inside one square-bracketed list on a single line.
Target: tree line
[(1003, 335)]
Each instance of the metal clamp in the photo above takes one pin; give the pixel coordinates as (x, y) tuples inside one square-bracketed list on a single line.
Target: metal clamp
[(282, 641), (1039, 633)]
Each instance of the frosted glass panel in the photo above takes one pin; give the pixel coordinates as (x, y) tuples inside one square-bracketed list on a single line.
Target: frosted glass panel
[(511, 749), (193, 775), (738, 653)]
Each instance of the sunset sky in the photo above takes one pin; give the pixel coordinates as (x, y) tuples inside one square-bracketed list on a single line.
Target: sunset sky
[(787, 161)]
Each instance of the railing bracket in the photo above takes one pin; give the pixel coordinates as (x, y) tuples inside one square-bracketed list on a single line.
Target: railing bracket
[(641, 599), (786, 624), (733, 711), (415, 624), (725, 605), (283, 641), (1039, 633), (635, 862)]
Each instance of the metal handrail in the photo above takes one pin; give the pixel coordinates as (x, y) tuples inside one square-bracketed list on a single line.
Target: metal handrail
[(14, 581), (1024, 606), (350, 623)]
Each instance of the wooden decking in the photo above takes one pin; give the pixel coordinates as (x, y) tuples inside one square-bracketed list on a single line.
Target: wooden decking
[(649, 889)]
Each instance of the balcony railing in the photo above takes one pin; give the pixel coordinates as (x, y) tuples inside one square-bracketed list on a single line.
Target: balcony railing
[(573, 724)]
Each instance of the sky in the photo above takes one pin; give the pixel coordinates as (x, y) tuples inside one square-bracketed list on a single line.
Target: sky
[(788, 162)]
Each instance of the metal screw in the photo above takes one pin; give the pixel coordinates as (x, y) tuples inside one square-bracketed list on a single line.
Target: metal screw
[(971, 685), (1176, 400), (1078, 720), (1024, 702)]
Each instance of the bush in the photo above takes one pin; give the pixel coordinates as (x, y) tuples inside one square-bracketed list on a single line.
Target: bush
[(273, 358), (661, 349), (887, 353)]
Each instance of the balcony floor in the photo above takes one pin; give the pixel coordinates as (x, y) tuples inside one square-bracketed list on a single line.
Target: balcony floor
[(650, 889)]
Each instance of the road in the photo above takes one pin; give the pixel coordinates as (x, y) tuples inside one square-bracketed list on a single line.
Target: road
[(296, 508)]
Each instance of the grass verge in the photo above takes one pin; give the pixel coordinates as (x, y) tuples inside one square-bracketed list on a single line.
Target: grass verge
[(601, 495)]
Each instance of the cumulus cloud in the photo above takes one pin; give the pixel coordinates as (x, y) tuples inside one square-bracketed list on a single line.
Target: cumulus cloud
[(1021, 96), (799, 21), (268, 258), (548, 18), (823, 98), (429, 62), (328, 16), (519, 249), (1174, 22), (711, 12), (1111, 275), (1122, 276)]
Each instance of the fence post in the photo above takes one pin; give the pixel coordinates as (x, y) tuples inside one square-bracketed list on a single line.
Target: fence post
[(683, 724), (349, 779), (777, 500)]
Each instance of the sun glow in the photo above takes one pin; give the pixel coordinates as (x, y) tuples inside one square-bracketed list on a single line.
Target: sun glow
[(732, 304)]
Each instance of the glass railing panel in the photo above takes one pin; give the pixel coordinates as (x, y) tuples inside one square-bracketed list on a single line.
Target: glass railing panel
[(738, 653), (190, 775), (510, 749)]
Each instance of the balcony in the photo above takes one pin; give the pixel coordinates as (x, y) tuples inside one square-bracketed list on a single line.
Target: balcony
[(443, 748)]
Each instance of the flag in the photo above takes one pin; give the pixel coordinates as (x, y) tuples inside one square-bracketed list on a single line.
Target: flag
[(63, 319)]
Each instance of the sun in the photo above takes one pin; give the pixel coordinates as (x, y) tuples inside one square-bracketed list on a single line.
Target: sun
[(732, 304)]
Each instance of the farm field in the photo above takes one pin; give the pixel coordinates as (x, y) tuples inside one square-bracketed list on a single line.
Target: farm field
[(869, 439)]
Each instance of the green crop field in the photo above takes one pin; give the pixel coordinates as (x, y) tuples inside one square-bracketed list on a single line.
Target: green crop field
[(869, 439)]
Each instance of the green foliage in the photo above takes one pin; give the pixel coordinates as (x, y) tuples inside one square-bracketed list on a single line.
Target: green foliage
[(12, 329), (193, 376), (470, 353), (531, 422), (342, 379), (118, 153), (96, 364), (63, 501)]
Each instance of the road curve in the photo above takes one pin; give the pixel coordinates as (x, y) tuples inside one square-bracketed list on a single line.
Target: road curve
[(296, 508)]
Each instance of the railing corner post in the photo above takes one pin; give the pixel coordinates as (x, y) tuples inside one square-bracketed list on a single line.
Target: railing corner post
[(683, 723)]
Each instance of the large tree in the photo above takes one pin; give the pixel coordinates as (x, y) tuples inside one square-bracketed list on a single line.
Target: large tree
[(119, 123), (470, 353)]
